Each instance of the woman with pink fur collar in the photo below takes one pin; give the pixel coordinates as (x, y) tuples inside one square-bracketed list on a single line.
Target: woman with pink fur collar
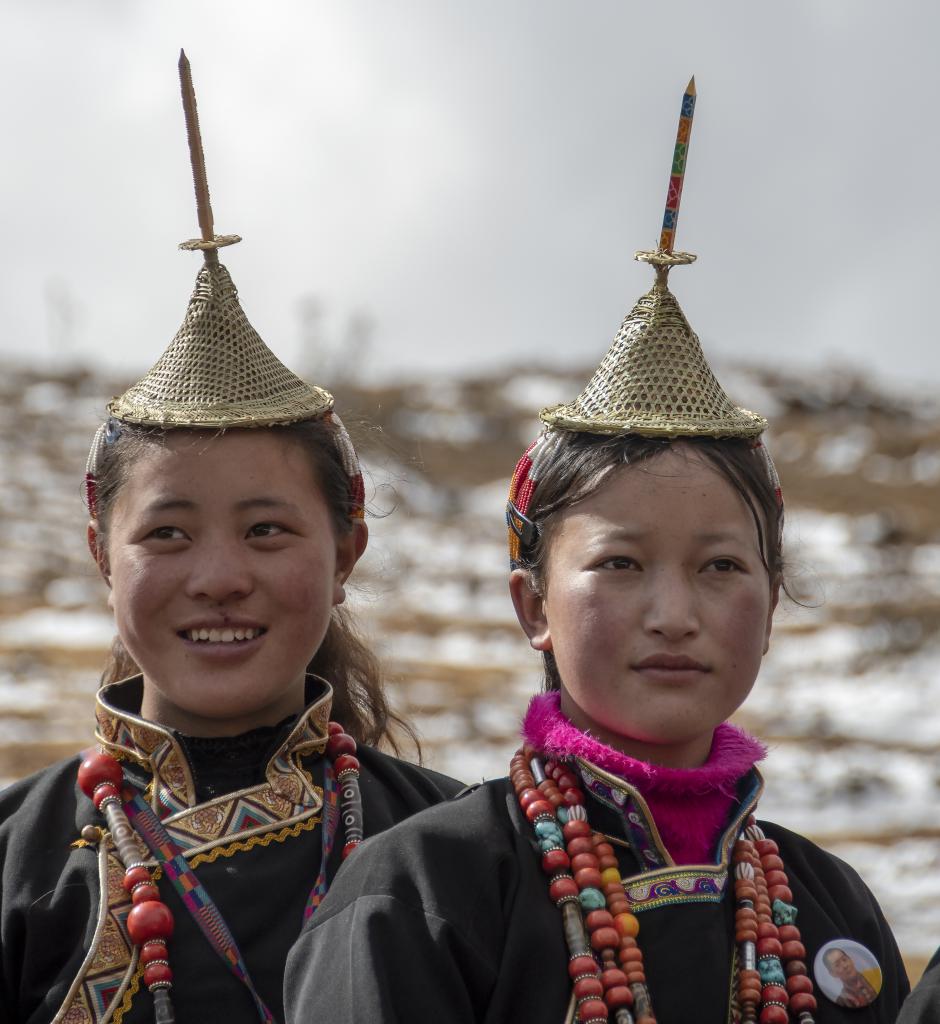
[(619, 873)]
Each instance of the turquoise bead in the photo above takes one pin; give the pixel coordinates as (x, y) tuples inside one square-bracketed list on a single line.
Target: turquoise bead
[(562, 814), (771, 971), (549, 830), (783, 913), (592, 899)]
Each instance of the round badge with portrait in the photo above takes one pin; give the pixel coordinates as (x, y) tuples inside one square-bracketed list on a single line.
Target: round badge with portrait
[(847, 973)]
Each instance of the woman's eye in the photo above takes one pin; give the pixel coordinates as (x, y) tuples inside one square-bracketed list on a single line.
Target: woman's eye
[(723, 565), (265, 530), (167, 533), (619, 562)]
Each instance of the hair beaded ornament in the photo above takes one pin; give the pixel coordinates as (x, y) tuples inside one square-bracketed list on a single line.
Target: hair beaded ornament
[(216, 374), (655, 382)]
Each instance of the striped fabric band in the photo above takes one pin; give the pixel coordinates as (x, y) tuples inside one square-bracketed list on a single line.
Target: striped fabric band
[(330, 827), (195, 898)]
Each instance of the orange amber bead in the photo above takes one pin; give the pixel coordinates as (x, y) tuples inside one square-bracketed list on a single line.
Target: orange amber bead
[(627, 925)]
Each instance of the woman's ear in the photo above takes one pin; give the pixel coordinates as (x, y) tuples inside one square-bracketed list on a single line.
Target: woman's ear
[(349, 549), (98, 551), (530, 610), (774, 600)]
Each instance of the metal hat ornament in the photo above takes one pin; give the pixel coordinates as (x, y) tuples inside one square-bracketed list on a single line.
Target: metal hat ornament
[(654, 380), (217, 373)]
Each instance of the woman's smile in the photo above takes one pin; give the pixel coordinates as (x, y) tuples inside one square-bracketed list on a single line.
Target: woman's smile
[(225, 546)]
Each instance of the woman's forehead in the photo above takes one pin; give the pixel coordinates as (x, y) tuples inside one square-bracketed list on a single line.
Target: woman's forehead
[(678, 489), (206, 462)]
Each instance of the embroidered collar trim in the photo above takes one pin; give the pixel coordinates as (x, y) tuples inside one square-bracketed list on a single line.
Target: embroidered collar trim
[(628, 802), (158, 750)]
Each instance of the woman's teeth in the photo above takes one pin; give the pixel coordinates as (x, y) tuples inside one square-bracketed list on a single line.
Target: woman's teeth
[(223, 636)]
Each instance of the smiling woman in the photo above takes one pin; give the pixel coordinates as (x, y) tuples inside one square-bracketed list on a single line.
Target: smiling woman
[(226, 508), (225, 562)]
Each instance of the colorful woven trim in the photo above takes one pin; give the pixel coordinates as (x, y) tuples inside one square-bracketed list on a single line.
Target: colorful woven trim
[(529, 470), (523, 531), (191, 891), (330, 827)]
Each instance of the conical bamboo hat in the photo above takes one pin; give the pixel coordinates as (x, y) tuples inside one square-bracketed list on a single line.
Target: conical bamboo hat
[(654, 379), (216, 372)]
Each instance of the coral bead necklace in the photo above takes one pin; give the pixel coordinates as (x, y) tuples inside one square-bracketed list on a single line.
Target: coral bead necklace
[(605, 961), (150, 921)]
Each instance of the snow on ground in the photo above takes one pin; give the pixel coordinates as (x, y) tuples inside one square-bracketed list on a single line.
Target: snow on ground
[(848, 699)]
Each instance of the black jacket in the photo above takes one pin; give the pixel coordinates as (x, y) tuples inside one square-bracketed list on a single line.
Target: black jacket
[(923, 1004), (447, 917), (64, 953)]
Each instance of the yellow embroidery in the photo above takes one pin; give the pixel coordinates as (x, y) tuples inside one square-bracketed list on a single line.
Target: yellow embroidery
[(132, 989), (243, 845)]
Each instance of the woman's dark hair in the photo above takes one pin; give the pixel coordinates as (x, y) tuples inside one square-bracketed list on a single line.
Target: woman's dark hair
[(343, 658), (583, 461)]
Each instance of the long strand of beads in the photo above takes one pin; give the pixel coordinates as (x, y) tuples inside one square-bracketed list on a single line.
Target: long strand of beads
[(341, 749), (773, 982), (551, 800), (150, 921), (539, 802), (802, 1001), (613, 928), (745, 937)]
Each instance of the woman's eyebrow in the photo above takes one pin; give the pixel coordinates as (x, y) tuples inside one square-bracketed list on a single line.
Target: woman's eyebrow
[(247, 504), (718, 536), (169, 504)]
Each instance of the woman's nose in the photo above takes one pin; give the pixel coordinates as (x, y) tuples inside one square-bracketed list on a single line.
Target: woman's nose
[(672, 608), (219, 572)]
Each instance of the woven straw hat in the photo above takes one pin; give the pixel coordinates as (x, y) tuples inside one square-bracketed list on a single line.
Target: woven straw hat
[(217, 372), (654, 379)]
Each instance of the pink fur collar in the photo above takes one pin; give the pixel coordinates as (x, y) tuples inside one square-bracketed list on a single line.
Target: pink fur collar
[(690, 805)]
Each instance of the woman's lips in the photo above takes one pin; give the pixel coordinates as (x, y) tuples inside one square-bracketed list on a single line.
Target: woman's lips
[(223, 642), (225, 634), (678, 661), (674, 667)]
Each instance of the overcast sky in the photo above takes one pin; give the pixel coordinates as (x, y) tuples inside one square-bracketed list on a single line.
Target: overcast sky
[(475, 176)]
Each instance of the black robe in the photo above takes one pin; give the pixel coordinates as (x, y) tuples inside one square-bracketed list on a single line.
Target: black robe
[(923, 1004), (64, 952), (447, 918)]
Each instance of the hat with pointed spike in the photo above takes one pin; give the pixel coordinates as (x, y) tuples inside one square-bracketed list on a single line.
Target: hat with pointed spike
[(654, 380), (217, 373)]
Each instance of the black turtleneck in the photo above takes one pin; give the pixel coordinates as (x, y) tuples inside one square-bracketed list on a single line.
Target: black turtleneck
[(225, 764)]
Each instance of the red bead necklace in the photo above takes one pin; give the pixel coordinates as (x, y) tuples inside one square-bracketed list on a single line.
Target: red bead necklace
[(772, 978), (150, 921), (605, 962)]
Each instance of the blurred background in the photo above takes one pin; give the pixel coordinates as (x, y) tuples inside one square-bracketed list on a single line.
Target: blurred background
[(440, 203)]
